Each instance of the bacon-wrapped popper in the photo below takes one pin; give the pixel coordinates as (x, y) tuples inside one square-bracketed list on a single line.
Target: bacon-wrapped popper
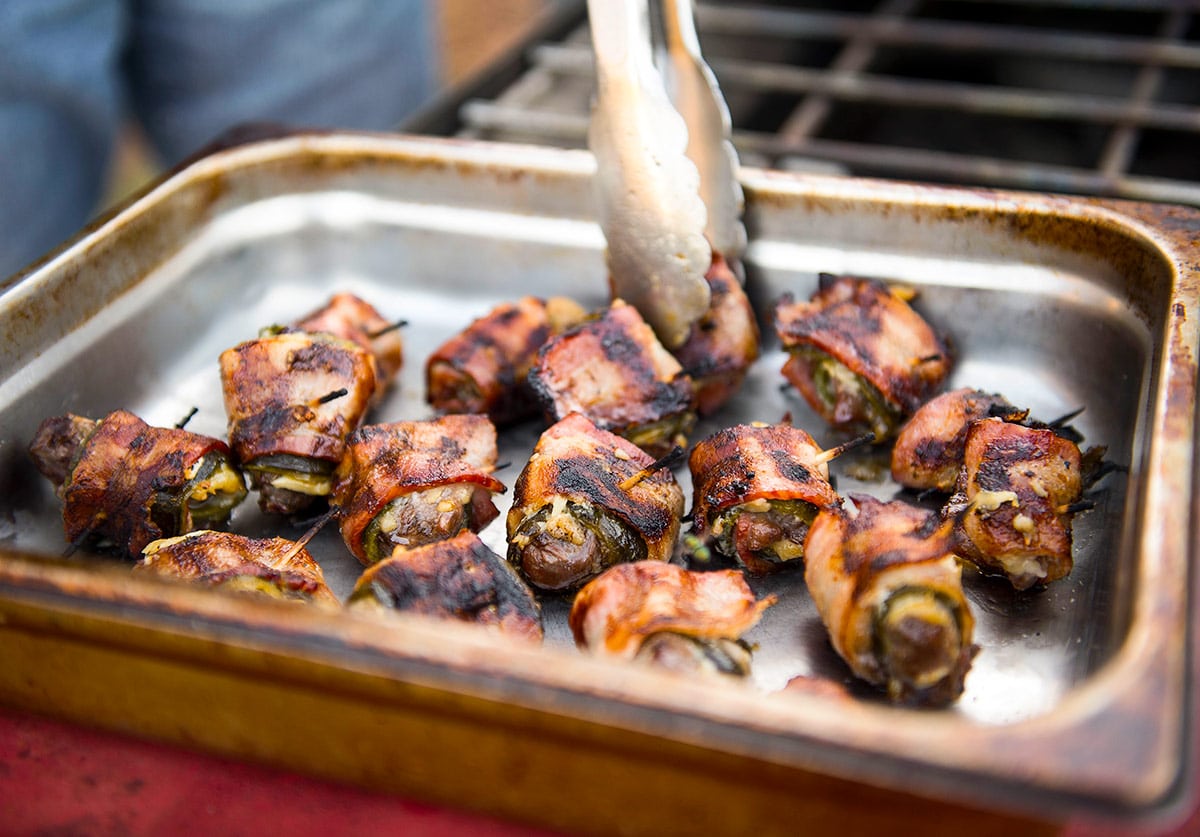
[(724, 342), (672, 618), (291, 399), (485, 368), (928, 453), (614, 371), (859, 354), (756, 490), (273, 567), (414, 482), (460, 579), (586, 500), (888, 586), (124, 483), (353, 318), (1016, 497)]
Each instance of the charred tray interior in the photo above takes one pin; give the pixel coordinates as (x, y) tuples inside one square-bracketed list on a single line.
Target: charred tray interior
[(1079, 695)]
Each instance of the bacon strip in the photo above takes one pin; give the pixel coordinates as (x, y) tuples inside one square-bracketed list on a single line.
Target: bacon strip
[(928, 453), (740, 465), (297, 394), (274, 567), (614, 371), (723, 344), (576, 462), (353, 318), (125, 480), (874, 334), (617, 612), (458, 579), (384, 462), (485, 368), (1015, 500), (886, 581)]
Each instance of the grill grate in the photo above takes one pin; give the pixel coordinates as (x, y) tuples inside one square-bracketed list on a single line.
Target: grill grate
[(1097, 97)]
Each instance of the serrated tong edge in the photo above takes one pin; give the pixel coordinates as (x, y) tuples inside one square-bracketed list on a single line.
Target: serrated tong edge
[(651, 192)]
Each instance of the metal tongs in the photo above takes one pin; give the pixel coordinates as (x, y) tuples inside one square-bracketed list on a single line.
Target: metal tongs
[(667, 172)]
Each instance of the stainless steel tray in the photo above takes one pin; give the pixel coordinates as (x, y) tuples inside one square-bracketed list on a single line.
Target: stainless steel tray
[(1078, 700)]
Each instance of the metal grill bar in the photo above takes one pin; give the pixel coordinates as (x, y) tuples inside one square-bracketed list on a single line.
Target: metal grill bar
[(571, 129), (846, 84), (792, 24), (550, 103)]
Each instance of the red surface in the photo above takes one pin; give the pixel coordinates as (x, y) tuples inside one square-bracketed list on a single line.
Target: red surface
[(59, 779)]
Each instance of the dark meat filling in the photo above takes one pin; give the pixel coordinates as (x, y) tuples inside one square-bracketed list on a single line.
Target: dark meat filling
[(423, 517), (565, 543)]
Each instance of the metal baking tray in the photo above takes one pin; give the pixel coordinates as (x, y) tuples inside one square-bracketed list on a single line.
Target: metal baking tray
[(1079, 700)]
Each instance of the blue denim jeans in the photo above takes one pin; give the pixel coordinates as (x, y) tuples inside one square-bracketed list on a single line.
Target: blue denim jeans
[(71, 71)]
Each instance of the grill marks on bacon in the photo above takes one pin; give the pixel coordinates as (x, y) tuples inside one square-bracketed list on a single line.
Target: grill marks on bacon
[(111, 475), (577, 463), (277, 392), (871, 331), (274, 567), (273, 387), (352, 318), (928, 453), (723, 344), (613, 370), (1015, 500), (668, 616), (386, 462), (741, 468), (887, 584), (485, 368), (459, 579)]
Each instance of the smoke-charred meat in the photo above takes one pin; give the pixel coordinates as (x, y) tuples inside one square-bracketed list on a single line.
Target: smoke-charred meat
[(1015, 500), (859, 354), (274, 567), (888, 586), (460, 579), (291, 399), (672, 618), (410, 483), (723, 343), (614, 371), (485, 368), (756, 490), (928, 453), (124, 483), (586, 500), (352, 318)]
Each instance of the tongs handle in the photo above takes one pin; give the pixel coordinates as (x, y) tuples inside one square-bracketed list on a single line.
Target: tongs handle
[(647, 188), (693, 89)]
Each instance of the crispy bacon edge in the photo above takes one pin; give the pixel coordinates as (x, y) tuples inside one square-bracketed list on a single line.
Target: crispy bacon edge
[(485, 367), (928, 451)]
